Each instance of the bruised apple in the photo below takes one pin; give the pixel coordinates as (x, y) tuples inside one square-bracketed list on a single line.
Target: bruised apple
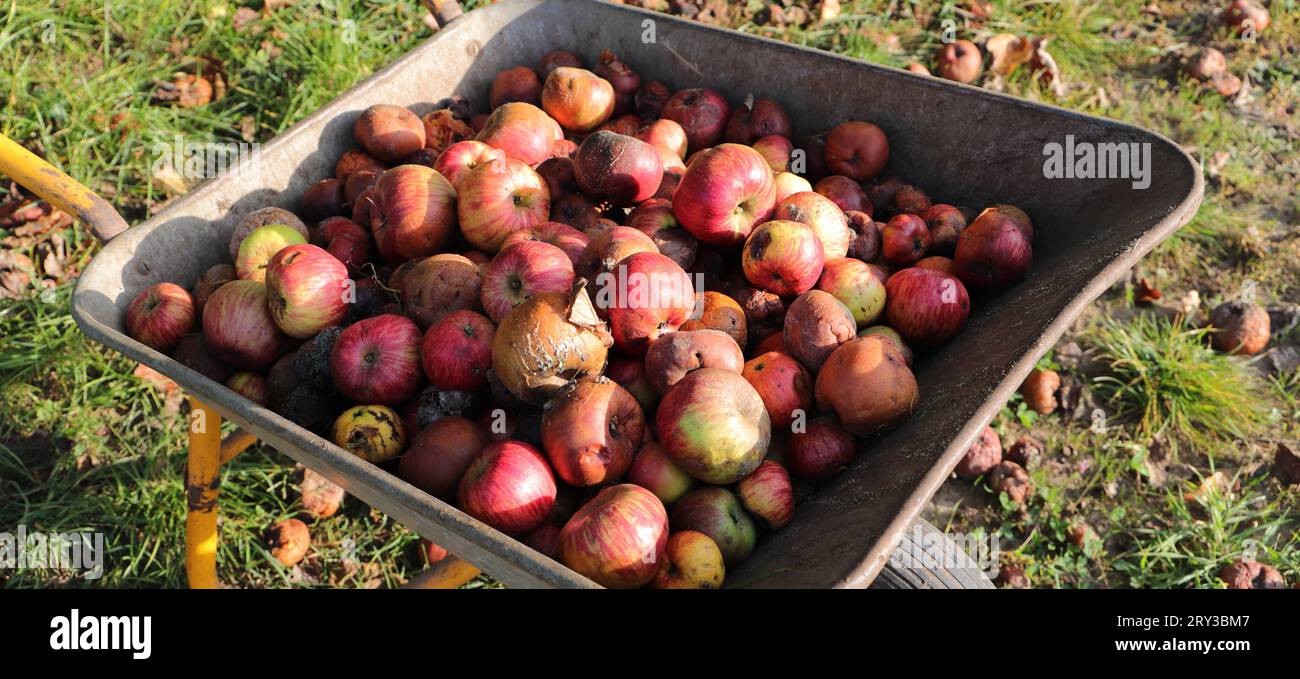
[(617, 168), (866, 383), (815, 325), (435, 286), (783, 257), (548, 340), (720, 312), (822, 216), (673, 356), (714, 424), (591, 431)]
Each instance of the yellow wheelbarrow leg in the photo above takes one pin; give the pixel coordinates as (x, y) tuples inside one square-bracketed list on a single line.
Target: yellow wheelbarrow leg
[(201, 496), (238, 441), (450, 573)]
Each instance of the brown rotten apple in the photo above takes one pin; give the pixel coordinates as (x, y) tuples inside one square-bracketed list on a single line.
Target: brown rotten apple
[(856, 150), (624, 80), (925, 306), (389, 133), (867, 384), (577, 99), (815, 325), (823, 216), (216, 276), (647, 295), (724, 192), (515, 84), (498, 198), (591, 431), (521, 271), (617, 538), (960, 61), (1239, 328), (550, 339), (160, 315), (820, 451), (982, 456), (701, 112), (865, 245), (783, 257), (617, 168), (720, 312), (713, 423), (846, 193), (434, 286), (521, 131), (412, 212), (675, 355)]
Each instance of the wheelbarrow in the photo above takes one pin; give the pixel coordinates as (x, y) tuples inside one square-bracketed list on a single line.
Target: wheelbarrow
[(967, 145)]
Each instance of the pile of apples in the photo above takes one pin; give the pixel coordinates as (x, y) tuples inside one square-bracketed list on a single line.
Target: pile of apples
[(605, 318)]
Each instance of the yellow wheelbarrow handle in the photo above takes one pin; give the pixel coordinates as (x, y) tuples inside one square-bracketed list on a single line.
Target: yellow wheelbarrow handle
[(62, 191)]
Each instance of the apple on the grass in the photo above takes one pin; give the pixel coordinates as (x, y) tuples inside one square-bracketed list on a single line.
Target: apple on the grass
[(498, 198), (725, 192), (377, 360), (160, 316), (714, 424), (308, 289), (618, 537), (508, 486), (257, 249), (654, 470), (717, 513), (860, 286), (456, 351), (925, 306), (783, 257), (521, 271), (239, 329), (768, 494), (691, 560)]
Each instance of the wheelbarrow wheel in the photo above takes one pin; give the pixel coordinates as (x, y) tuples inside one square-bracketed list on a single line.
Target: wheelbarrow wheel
[(924, 560)]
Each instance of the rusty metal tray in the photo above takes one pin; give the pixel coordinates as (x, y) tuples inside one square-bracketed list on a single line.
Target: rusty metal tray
[(964, 145)]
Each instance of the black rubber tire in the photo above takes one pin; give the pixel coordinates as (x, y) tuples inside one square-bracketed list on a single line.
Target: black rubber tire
[(925, 538)]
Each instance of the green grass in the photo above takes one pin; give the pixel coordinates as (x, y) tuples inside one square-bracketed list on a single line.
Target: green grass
[(1164, 376), (85, 445)]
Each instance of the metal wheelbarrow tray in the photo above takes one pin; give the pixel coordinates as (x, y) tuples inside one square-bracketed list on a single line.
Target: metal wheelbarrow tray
[(964, 145)]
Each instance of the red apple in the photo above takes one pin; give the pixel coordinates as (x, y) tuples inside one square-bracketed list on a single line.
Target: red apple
[(617, 168), (389, 133), (654, 470), (860, 286), (617, 538), (650, 98), (788, 184), (440, 454), (820, 451), (515, 84), (509, 487), (783, 257), (456, 351), (238, 326), (691, 560), (322, 200), (905, 240), (646, 296), (665, 134), (823, 216), (676, 354), (1016, 215), (377, 360), (214, 277), (938, 263), (546, 540), (555, 59), (630, 374), (926, 307), (701, 112), (846, 193), (355, 161), (347, 241), (459, 158), (521, 271), (560, 177), (714, 424), (960, 61), (857, 150), (160, 315), (768, 494), (993, 252), (412, 212), (608, 248), (755, 119), (725, 191), (498, 198), (945, 223), (717, 513), (655, 219), (577, 99), (307, 289), (251, 386), (522, 131), (1244, 15), (591, 430), (776, 150), (784, 385), (572, 241)]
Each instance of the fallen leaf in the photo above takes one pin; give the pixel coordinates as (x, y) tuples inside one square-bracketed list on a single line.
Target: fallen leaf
[(1045, 67), (1145, 292), (1008, 51), (247, 128), (244, 16), (1214, 483), (171, 180)]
